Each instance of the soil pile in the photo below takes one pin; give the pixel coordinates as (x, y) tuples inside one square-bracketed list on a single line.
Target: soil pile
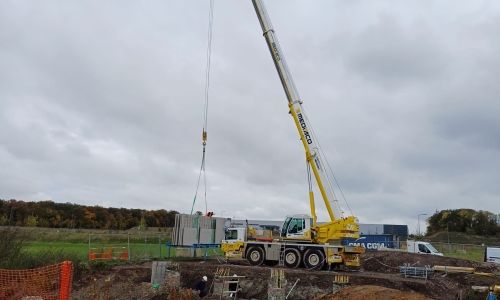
[(387, 261), (373, 292)]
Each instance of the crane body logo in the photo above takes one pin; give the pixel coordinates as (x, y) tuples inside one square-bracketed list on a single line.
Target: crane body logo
[(304, 128), (275, 51)]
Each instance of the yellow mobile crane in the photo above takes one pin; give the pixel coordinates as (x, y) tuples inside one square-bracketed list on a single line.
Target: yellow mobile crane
[(303, 239)]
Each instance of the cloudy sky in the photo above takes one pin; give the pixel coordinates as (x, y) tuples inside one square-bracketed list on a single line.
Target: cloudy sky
[(101, 103)]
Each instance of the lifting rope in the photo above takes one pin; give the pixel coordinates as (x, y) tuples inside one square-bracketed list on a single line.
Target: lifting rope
[(205, 111), (330, 175)]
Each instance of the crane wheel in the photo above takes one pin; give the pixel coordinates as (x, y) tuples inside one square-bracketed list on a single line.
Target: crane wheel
[(314, 259), (255, 256), (292, 258)]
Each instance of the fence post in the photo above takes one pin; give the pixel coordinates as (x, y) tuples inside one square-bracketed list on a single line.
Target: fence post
[(88, 252), (159, 244), (128, 245), (66, 278)]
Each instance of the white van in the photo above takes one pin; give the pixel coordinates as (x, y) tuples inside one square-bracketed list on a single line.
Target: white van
[(421, 248), (492, 254)]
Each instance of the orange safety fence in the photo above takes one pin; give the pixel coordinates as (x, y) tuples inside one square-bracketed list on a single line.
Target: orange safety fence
[(48, 283), (108, 253)]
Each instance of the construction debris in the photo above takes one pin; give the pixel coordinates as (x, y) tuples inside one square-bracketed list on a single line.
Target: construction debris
[(416, 272), (277, 285), (363, 292), (451, 269), (341, 279)]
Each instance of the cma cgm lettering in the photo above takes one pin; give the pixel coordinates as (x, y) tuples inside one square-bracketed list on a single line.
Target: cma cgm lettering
[(372, 241), (370, 246)]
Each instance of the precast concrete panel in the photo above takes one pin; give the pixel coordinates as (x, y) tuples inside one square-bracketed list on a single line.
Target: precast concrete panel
[(189, 236), (219, 230), (206, 236)]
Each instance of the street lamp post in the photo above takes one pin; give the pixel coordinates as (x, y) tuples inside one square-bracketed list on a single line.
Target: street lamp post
[(418, 223)]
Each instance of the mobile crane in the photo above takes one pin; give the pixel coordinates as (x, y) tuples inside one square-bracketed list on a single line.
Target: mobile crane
[(302, 239)]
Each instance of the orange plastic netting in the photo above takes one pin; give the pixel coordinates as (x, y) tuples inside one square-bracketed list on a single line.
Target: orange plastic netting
[(49, 282)]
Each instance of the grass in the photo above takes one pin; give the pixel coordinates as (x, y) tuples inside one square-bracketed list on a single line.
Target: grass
[(475, 255), (462, 245), (144, 245), (40, 234), (77, 249), (138, 251), (462, 251), (462, 238)]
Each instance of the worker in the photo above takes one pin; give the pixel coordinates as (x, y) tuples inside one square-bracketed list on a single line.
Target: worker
[(233, 286), (491, 294), (201, 286)]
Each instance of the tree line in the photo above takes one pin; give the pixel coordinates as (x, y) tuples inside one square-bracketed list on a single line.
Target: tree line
[(70, 215), (464, 220)]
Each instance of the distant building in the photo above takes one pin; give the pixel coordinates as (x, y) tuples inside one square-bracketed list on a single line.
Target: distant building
[(399, 231), (264, 224)]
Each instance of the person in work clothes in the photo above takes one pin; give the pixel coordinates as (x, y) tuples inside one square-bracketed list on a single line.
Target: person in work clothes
[(201, 286)]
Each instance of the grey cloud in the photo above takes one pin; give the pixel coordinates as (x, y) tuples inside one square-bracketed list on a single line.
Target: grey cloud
[(101, 103), (392, 54)]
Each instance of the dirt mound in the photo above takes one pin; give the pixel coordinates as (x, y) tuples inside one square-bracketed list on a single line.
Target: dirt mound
[(363, 292), (387, 261)]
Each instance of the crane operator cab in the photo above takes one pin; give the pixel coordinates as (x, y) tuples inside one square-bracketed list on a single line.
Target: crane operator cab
[(297, 227)]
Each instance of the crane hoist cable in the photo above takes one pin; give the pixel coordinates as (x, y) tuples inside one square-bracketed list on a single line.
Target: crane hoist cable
[(205, 110), (330, 174)]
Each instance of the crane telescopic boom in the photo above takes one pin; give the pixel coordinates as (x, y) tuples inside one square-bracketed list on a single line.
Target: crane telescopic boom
[(295, 104), (302, 240)]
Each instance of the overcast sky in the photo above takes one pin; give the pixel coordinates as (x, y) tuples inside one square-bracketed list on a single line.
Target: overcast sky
[(101, 103)]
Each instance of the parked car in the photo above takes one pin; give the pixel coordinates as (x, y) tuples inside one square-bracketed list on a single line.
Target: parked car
[(422, 248), (492, 254)]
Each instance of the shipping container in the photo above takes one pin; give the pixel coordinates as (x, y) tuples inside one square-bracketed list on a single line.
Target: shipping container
[(372, 242), (370, 229), (398, 230)]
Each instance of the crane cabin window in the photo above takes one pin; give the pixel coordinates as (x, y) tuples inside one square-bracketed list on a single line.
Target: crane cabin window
[(231, 234), (296, 225)]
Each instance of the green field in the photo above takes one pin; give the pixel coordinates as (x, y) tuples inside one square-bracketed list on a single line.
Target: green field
[(138, 251), (78, 249), (475, 255), (150, 244)]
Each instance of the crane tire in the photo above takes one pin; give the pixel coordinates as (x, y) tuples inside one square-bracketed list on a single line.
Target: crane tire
[(314, 259), (292, 258), (255, 256)]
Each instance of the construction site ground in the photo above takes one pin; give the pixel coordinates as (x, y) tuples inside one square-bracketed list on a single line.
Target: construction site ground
[(379, 278)]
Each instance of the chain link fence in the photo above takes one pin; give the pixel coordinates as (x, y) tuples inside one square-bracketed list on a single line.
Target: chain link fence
[(464, 251), (127, 246)]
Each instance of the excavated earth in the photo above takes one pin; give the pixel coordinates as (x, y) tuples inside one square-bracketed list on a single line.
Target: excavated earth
[(372, 292), (378, 276)]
